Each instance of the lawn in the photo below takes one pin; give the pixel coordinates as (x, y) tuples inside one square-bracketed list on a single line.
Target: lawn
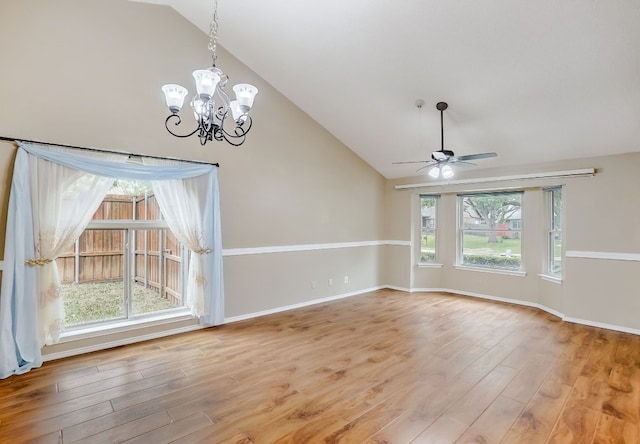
[(505, 253), (479, 244), (97, 302)]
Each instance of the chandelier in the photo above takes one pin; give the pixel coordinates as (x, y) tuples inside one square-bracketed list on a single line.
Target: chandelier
[(212, 117)]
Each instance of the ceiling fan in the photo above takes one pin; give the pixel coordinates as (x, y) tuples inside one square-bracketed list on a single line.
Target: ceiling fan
[(442, 159)]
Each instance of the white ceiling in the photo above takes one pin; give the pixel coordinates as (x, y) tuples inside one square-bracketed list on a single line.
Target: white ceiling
[(533, 81)]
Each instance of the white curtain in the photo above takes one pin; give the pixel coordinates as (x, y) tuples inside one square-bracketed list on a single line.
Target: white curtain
[(63, 201), (188, 207)]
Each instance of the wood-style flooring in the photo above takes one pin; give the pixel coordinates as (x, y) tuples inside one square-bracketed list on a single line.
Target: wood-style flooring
[(385, 367)]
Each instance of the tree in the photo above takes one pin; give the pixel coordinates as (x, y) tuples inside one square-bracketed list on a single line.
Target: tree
[(557, 209), (130, 187), (492, 210)]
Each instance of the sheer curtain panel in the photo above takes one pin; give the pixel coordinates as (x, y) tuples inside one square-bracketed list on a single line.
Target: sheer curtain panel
[(63, 201), (189, 206)]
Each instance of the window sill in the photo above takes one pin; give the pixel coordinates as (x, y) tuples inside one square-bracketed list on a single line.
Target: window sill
[(549, 278), (491, 270), (429, 265), (128, 325)]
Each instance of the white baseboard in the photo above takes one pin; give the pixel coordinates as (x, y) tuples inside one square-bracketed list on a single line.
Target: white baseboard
[(299, 305), (552, 311), (393, 287), (619, 328)]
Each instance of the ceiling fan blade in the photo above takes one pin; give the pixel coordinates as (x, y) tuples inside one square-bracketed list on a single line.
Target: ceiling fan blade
[(410, 161), (426, 166), (456, 161), (476, 156)]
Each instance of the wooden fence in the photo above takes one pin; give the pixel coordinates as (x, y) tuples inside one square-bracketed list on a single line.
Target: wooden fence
[(98, 255)]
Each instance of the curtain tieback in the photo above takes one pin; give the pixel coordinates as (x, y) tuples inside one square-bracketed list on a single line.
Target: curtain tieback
[(39, 262), (203, 251)]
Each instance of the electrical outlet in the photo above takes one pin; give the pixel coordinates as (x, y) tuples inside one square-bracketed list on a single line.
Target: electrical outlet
[(314, 284), (346, 279), (330, 281)]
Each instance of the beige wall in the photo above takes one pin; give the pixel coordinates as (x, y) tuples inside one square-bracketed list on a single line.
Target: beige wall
[(89, 72), (599, 216)]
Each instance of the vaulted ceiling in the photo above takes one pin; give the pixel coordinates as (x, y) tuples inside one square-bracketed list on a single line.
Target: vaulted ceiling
[(532, 80)]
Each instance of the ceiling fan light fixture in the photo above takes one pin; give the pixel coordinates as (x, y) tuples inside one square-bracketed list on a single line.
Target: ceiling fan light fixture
[(443, 159)]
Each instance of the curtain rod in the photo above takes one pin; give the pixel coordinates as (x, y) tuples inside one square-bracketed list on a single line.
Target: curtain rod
[(13, 139), (548, 175)]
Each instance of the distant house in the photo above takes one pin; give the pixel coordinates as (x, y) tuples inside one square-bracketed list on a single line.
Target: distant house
[(512, 225), (428, 217)]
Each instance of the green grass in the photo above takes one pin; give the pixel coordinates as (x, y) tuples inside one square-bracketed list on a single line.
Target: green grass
[(429, 242), (104, 301), (480, 243)]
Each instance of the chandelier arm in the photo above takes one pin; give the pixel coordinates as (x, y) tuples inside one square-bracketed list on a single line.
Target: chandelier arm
[(221, 113), (239, 134), (166, 125), (239, 131), (245, 131), (231, 139), (223, 94)]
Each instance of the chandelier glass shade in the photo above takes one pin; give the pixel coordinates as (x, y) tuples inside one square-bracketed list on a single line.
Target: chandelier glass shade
[(211, 106)]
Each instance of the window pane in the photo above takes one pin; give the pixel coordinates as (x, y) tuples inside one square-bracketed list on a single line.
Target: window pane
[(428, 246), (147, 207), (428, 228), (491, 230), (93, 302), (555, 263), (557, 209), (113, 274), (480, 250), (554, 247), (91, 274), (157, 272), (118, 203)]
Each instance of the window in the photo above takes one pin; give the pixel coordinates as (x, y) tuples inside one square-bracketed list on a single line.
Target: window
[(490, 229), (428, 229), (126, 264), (55, 191), (554, 224)]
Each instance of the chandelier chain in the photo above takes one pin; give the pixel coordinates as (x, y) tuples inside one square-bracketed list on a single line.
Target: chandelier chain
[(213, 33)]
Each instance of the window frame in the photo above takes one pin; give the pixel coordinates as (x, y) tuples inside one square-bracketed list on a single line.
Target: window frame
[(436, 258), (553, 230), (460, 232), (130, 229)]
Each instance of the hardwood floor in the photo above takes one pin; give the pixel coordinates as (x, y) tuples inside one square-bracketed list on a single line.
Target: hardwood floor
[(386, 367)]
